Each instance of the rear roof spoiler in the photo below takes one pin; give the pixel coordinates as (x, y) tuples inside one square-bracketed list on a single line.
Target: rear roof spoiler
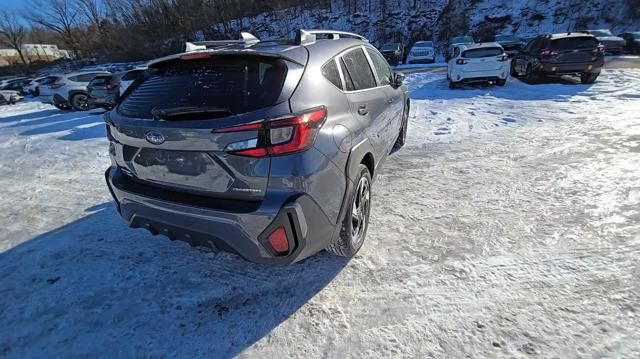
[(222, 51)]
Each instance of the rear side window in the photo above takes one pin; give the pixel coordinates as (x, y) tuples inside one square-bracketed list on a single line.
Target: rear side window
[(572, 43), (358, 69), (132, 75), (83, 78), (233, 84), (382, 68), (100, 81), (330, 72), (483, 52)]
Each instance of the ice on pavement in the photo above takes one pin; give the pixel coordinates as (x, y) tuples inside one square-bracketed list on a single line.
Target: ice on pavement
[(509, 225)]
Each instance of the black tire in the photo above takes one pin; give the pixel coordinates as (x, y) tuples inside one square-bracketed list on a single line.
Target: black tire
[(63, 107), (351, 238), (80, 102), (453, 85), (36, 93), (533, 76), (501, 82), (402, 136), (588, 77), (513, 71)]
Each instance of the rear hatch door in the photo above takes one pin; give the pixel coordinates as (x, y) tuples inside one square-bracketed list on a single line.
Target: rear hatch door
[(574, 50), (167, 125), (482, 59)]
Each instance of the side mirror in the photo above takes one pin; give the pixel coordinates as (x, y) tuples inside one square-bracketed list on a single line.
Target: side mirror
[(398, 79)]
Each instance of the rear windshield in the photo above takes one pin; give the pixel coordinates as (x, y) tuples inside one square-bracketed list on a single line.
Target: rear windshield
[(424, 44), (234, 84), (571, 43), (483, 52)]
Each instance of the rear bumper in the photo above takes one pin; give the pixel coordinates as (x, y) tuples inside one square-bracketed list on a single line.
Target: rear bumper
[(101, 102), (240, 230), (421, 59), (551, 69), (480, 76)]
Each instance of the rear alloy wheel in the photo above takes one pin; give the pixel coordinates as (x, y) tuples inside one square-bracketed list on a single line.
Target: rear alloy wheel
[(80, 102), (356, 220), (588, 77)]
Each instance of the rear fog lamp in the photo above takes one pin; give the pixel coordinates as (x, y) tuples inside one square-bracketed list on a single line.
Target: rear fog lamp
[(278, 240)]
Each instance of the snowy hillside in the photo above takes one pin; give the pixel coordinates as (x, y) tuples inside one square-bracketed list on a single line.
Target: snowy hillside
[(408, 20)]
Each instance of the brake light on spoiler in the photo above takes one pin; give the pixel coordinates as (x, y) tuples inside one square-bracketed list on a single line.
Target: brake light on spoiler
[(279, 136)]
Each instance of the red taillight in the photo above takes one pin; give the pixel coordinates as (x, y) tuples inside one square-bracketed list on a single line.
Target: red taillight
[(503, 58), (461, 61), (56, 85), (599, 49), (548, 52), (280, 136), (278, 240)]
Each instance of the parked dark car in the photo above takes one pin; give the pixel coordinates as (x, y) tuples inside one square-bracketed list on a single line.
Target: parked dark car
[(103, 91), (612, 44), (632, 42), (510, 43), (393, 53), (560, 54), (265, 149)]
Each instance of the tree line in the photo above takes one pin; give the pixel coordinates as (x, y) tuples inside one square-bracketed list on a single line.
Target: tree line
[(125, 30)]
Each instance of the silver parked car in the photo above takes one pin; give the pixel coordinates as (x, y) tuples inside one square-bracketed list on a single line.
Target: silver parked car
[(69, 90), (265, 149)]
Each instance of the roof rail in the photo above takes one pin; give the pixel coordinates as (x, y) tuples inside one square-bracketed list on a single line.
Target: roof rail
[(306, 37), (246, 40)]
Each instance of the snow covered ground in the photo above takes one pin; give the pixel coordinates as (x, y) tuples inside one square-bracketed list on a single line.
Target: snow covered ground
[(509, 226)]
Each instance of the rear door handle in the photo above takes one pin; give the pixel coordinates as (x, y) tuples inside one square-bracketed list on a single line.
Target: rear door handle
[(363, 110)]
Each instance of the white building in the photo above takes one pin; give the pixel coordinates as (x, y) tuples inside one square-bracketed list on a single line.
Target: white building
[(33, 52)]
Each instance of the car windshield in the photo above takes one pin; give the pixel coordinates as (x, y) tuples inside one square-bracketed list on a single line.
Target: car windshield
[(482, 52), (601, 33), (423, 44), (462, 40), (506, 38), (389, 47)]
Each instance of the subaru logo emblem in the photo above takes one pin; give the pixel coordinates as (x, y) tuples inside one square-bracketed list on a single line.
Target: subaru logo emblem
[(154, 137)]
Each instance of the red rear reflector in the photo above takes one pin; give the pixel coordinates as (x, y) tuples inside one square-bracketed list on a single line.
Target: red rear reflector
[(195, 56), (278, 240)]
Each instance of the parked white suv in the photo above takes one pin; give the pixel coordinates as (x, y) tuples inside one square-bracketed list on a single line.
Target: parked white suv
[(70, 90), (473, 63), (422, 52)]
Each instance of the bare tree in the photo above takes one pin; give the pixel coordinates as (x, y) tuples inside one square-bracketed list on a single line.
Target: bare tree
[(92, 10), (12, 32), (60, 16)]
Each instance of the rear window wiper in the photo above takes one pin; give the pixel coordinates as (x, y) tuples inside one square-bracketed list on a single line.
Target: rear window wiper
[(190, 113)]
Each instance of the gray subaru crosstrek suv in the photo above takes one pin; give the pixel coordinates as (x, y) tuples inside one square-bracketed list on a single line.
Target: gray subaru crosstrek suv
[(264, 149)]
